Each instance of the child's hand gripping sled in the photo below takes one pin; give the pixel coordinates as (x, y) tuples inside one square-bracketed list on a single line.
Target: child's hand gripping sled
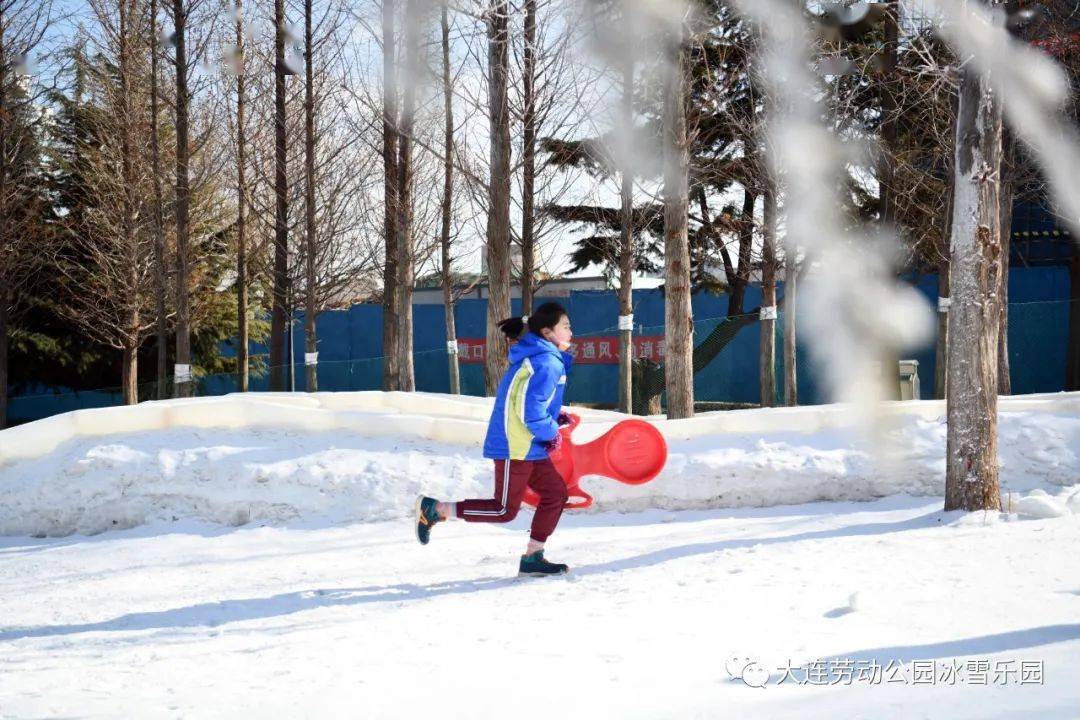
[(632, 452)]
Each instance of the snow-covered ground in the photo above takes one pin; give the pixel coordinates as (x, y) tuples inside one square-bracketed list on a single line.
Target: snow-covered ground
[(290, 583), (359, 620)]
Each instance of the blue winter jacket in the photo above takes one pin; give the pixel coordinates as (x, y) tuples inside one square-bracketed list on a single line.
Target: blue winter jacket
[(528, 402)]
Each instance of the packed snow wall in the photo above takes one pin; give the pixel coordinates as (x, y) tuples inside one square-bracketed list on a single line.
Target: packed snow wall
[(348, 457)]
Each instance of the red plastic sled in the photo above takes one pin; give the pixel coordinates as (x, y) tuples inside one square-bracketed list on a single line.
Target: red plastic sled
[(632, 452)]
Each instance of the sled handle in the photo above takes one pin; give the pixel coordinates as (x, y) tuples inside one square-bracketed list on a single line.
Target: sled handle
[(577, 492)]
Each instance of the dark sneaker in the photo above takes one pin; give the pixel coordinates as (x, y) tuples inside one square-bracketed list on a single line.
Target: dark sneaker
[(426, 517), (536, 566)]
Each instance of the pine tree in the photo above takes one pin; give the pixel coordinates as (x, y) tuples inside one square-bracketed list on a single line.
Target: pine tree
[(23, 204), (720, 105), (722, 114)]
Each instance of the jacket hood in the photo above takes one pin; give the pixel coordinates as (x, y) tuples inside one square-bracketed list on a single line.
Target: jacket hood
[(531, 344)]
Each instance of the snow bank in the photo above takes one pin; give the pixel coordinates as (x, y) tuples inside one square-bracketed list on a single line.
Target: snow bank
[(364, 457), (455, 419)]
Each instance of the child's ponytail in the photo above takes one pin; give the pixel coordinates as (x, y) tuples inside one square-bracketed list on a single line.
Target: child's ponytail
[(547, 315), (513, 327)]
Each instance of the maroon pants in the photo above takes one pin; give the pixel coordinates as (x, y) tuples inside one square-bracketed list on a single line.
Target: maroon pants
[(511, 479)]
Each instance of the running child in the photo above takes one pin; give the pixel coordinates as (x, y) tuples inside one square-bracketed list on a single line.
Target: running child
[(522, 431)]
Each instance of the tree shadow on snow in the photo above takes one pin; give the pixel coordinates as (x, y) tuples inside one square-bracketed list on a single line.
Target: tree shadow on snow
[(12, 545), (814, 509), (655, 557), (980, 646), (214, 614)]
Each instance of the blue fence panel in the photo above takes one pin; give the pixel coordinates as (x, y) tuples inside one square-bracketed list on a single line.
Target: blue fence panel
[(350, 347)]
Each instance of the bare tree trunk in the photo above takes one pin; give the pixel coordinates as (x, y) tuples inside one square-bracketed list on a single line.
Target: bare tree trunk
[(451, 330), (390, 201), (5, 299), (279, 314), (528, 160), (183, 386), (738, 283), (161, 285), (767, 358), (129, 372), (447, 203), (406, 269), (1072, 362), (886, 176), (678, 316), (1004, 374), (886, 171), (6, 292), (746, 243), (290, 329), (242, 359), (311, 344), (791, 295), (498, 221), (1005, 224), (941, 352), (971, 480), (626, 254)]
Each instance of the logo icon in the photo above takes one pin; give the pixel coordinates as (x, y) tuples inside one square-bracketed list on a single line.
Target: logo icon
[(747, 669)]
